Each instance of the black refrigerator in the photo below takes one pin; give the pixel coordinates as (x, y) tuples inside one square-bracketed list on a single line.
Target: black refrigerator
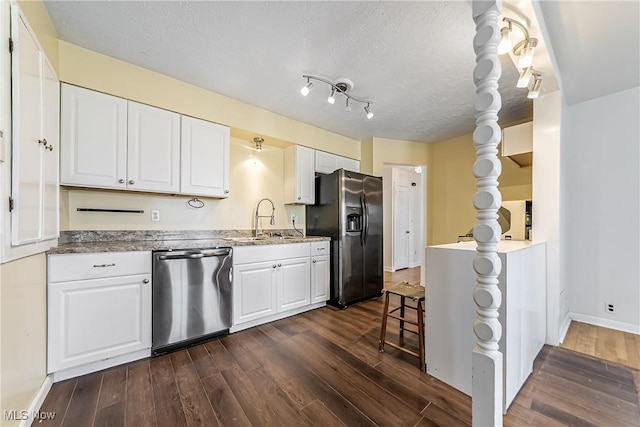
[(348, 208)]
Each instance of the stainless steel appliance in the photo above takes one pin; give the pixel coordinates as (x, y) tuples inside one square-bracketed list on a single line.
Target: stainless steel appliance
[(191, 296), (348, 208)]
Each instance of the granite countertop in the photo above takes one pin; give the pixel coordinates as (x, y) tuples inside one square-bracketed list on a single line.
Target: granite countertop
[(126, 241)]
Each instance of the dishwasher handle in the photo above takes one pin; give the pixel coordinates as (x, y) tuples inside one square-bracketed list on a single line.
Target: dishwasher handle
[(221, 252)]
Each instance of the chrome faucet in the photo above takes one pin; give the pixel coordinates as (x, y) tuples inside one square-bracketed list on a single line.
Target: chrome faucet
[(273, 220)]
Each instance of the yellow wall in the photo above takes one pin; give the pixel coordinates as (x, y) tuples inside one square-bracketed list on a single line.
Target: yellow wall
[(23, 332), (253, 175), (451, 186)]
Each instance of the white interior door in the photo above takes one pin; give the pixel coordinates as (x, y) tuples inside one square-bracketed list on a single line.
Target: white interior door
[(401, 225)]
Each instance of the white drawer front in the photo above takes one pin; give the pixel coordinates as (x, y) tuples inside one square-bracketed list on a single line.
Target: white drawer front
[(69, 267), (259, 253), (319, 248)]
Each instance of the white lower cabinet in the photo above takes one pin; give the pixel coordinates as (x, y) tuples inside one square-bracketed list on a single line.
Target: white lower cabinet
[(99, 311), (319, 278), (271, 282)]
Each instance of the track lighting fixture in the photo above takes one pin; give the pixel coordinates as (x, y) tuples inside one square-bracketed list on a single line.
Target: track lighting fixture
[(367, 110), (339, 87), (535, 88), (332, 98), (523, 50), (258, 142), (307, 88)]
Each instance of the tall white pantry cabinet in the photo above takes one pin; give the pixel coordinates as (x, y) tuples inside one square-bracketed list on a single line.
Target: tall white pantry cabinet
[(34, 198)]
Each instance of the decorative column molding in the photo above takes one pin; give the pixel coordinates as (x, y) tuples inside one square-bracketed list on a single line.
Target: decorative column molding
[(487, 360)]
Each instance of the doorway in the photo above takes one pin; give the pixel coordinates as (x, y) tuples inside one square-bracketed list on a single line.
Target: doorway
[(404, 203)]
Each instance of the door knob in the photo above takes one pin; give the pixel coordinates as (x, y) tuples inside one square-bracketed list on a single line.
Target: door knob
[(121, 181), (145, 281), (131, 182)]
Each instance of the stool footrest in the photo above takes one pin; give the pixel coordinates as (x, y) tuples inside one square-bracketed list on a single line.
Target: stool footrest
[(404, 350), (403, 319)]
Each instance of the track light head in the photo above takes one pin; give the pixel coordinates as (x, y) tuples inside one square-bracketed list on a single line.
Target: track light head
[(525, 77), (307, 88), (258, 142), (367, 110), (535, 88), (348, 106), (505, 40), (525, 58), (332, 98)]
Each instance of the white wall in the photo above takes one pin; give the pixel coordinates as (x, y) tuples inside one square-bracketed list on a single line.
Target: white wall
[(601, 209), (547, 205)]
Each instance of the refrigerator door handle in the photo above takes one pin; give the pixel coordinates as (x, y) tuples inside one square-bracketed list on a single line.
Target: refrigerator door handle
[(362, 228), (365, 211)]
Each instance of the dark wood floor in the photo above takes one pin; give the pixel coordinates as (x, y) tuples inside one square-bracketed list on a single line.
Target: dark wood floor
[(323, 368)]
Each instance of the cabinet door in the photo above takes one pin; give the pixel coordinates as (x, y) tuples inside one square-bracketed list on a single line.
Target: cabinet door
[(153, 149), (293, 283), (93, 139), (97, 319), (319, 279), (325, 162), (348, 164), (299, 184), (204, 158), (50, 161), (26, 147), (254, 291)]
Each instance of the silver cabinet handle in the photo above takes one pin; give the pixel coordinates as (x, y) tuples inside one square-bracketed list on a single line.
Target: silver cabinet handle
[(43, 141), (131, 182), (279, 265), (104, 265), (299, 198), (274, 266), (145, 281), (226, 191), (314, 261), (121, 181), (49, 147), (320, 249)]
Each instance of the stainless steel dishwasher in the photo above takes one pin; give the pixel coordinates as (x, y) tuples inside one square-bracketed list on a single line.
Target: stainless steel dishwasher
[(191, 297)]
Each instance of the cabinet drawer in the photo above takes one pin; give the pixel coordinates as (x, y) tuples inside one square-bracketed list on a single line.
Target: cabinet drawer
[(319, 248), (259, 253), (69, 267)]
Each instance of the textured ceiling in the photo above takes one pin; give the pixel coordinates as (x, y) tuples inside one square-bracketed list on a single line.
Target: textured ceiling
[(596, 46), (414, 60)]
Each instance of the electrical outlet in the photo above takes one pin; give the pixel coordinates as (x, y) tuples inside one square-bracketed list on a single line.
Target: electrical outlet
[(609, 308), (294, 217), (155, 215)]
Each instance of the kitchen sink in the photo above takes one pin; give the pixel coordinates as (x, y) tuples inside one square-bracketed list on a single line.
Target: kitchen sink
[(246, 239)]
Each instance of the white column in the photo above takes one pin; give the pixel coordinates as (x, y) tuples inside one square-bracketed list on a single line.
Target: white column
[(486, 388)]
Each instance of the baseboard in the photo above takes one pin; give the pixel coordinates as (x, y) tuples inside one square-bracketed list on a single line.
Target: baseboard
[(33, 412), (606, 323), (389, 269), (564, 328)]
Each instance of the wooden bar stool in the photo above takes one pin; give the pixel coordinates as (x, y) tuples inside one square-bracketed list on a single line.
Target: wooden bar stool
[(416, 293)]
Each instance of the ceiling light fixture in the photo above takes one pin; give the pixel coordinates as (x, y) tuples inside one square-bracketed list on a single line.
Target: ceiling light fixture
[(258, 142), (332, 98), (535, 88), (367, 110), (523, 50), (307, 88), (339, 87)]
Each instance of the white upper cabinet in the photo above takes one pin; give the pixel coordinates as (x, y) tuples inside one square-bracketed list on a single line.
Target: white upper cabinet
[(34, 159), (93, 139), (299, 176), (153, 149), (328, 162), (204, 158)]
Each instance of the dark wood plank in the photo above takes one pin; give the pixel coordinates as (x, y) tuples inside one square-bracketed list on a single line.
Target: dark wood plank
[(82, 408), (278, 401), (110, 416), (252, 403), (195, 403), (560, 415), (161, 370), (139, 409), (320, 415), (436, 416), (202, 361), (245, 360), (224, 402), (169, 412), (220, 355), (57, 401), (114, 383)]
